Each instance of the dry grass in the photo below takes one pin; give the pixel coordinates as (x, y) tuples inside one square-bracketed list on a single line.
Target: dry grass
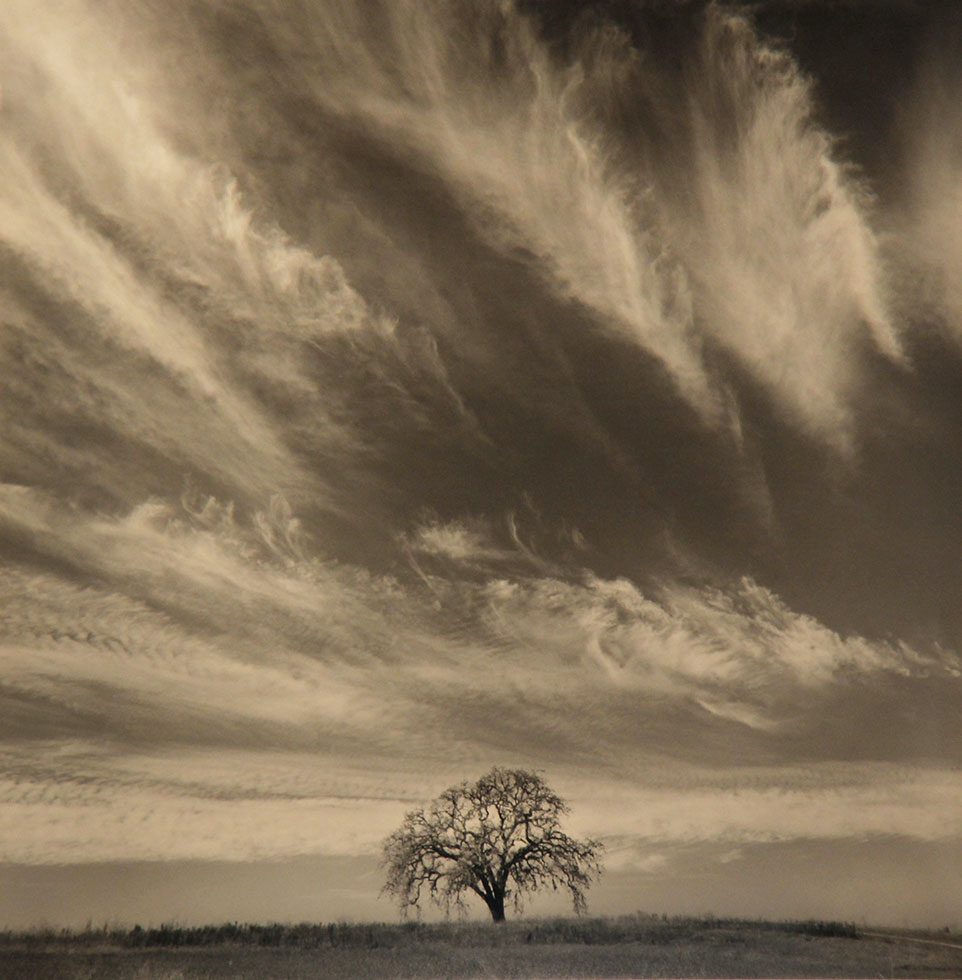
[(636, 946)]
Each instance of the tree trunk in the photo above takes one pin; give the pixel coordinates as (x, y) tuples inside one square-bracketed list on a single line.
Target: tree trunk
[(496, 906)]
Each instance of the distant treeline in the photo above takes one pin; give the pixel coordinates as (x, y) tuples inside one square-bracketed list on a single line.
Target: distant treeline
[(594, 931)]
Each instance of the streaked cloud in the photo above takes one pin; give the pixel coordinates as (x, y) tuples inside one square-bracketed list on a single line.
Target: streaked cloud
[(223, 338), (393, 390), (779, 238), (744, 227), (196, 630), (512, 130)]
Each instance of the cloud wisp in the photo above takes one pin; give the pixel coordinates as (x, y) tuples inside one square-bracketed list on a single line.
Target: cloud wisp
[(196, 630), (742, 228), (391, 390)]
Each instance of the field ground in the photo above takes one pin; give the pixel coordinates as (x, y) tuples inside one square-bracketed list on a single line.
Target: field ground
[(637, 946)]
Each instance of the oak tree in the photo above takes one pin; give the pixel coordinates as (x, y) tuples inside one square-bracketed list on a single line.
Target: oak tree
[(499, 837)]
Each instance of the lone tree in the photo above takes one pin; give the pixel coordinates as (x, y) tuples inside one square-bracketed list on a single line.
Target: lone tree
[(499, 838)]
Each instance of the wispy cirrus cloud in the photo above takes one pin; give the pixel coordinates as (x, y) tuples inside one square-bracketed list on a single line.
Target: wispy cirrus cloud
[(191, 600), (215, 673), (394, 390), (789, 272), (152, 306), (517, 142), (743, 228)]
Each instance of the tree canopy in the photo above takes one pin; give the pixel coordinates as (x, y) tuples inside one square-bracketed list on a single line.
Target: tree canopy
[(499, 837)]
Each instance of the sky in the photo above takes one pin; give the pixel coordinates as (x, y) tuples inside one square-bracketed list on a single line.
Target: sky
[(394, 389)]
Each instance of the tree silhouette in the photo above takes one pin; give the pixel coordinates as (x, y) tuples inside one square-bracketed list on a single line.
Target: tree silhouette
[(499, 838)]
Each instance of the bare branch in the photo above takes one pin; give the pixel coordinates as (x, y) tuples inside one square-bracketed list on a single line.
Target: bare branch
[(499, 837)]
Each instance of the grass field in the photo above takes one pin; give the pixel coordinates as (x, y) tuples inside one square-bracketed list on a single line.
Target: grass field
[(635, 946)]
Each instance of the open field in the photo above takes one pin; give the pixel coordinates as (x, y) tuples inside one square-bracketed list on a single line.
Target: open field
[(636, 946)]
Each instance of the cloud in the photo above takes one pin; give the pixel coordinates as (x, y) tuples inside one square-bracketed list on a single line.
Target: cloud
[(457, 540), (867, 802), (259, 599), (741, 652), (147, 303), (744, 227), (375, 558), (477, 545), (202, 567), (513, 131), (624, 854), (78, 824), (779, 239), (182, 804), (215, 673)]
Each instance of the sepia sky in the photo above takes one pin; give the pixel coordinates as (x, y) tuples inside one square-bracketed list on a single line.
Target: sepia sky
[(393, 389)]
